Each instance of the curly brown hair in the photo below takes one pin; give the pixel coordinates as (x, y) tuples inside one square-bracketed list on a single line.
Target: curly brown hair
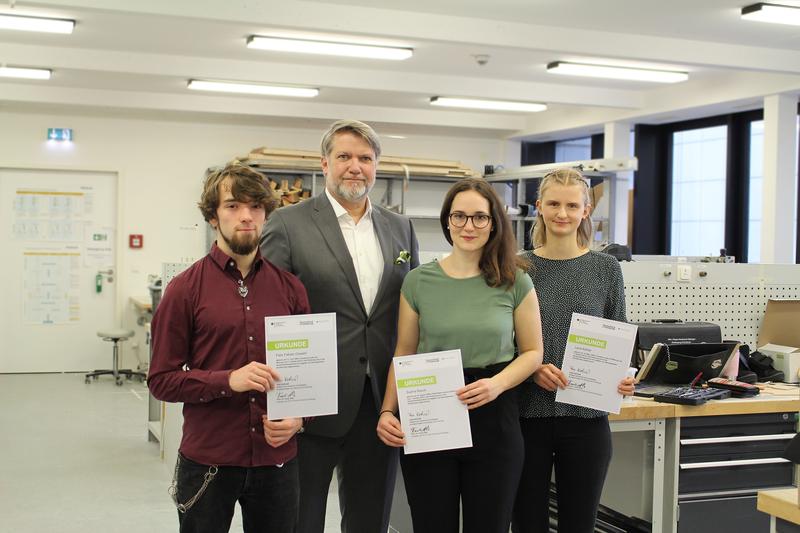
[(247, 185)]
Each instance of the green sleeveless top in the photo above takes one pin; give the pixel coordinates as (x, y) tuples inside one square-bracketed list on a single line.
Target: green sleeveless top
[(465, 313)]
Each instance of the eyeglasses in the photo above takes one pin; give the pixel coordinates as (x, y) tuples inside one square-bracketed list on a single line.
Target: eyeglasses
[(479, 220)]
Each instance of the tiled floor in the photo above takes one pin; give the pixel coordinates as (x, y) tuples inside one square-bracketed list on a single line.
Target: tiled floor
[(75, 458)]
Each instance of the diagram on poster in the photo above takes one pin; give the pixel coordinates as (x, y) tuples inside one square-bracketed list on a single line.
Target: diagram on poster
[(51, 215), (51, 287)]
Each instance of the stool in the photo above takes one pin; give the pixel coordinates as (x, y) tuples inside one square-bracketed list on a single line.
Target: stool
[(116, 336)]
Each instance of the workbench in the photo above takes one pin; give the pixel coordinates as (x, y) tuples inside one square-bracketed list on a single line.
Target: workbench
[(654, 472)]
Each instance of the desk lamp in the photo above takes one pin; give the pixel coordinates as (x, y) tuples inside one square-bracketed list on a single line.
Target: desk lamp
[(792, 452)]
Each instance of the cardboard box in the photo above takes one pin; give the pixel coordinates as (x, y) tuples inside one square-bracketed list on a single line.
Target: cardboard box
[(779, 337)]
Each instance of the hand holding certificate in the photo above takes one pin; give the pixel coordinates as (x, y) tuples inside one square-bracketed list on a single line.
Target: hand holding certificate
[(596, 359), (432, 416), (302, 349)]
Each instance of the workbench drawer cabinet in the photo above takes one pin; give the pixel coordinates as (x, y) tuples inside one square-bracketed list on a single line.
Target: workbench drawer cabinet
[(724, 460)]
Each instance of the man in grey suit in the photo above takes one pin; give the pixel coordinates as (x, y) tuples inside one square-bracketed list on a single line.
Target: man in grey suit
[(352, 257)]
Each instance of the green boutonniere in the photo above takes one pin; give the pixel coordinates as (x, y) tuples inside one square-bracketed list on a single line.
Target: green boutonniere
[(402, 258)]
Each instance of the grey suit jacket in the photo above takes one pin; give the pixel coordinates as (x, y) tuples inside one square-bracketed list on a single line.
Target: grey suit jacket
[(306, 240)]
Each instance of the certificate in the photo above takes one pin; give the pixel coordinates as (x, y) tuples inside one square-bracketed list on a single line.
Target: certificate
[(596, 359), (302, 348), (432, 416)]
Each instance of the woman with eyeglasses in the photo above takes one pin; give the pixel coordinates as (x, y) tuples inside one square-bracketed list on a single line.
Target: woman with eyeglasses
[(479, 300), (576, 441)]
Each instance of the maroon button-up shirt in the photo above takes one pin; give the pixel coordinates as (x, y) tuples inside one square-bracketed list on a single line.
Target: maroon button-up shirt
[(203, 329)]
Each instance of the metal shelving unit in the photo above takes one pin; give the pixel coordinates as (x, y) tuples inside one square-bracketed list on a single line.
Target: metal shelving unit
[(391, 178), (605, 169), (516, 178)]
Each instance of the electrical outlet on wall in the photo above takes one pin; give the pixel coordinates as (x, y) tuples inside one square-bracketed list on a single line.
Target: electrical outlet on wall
[(684, 273)]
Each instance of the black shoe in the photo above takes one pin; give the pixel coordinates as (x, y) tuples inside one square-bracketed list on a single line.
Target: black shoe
[(762, 366), (746, 376)]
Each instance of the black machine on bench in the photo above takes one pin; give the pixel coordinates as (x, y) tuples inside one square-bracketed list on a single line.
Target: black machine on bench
[(670, 331), (669, 368)]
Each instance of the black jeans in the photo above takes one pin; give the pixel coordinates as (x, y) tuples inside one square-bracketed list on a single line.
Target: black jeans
[(580, 451), (365, 468), (484, 478), (268, 495)]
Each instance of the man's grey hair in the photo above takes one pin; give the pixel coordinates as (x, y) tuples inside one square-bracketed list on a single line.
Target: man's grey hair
[(350, 126)]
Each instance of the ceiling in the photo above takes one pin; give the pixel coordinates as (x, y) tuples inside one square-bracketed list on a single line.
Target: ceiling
[(136, 57)]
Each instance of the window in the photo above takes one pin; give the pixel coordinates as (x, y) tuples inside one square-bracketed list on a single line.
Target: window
[(756, 188), (698, 191), (574, 150), (756, 175)]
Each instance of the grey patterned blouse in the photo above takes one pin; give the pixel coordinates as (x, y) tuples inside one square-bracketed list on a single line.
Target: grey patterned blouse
[(590, 284)]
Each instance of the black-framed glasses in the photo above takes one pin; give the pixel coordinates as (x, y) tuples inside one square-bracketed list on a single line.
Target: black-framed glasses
[(479, 220)]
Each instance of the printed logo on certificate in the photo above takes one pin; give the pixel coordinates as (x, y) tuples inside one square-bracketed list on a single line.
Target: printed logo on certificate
[(302, 348), (431, 415)]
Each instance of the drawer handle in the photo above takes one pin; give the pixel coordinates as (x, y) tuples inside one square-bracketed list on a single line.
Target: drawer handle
[(736, 462), (744, 438)]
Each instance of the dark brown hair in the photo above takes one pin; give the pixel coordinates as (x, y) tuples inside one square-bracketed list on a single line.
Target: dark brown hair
[(247, 185), (499, 260)]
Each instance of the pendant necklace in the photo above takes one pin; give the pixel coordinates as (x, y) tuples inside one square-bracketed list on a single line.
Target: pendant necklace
[(242, 289)]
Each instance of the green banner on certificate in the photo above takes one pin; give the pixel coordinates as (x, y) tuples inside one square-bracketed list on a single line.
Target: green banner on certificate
[(416, 382), (587, 341)]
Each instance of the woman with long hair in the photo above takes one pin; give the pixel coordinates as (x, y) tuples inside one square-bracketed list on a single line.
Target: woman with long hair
[(576, 441), (479, 300)]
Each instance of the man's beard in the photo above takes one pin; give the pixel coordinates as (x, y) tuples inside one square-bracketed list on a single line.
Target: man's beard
[(352, 193), (240, 246)]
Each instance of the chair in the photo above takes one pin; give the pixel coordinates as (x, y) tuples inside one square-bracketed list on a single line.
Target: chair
[(116, 336)]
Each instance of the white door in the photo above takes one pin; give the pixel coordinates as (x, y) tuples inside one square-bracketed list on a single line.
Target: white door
[(57, 273)]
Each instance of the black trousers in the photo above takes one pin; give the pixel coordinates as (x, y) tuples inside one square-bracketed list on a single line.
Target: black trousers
[(268, 495), (366, 470), (580, 451), (483, 478)]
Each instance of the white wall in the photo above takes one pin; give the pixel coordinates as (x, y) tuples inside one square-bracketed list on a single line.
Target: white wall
[(161, 165)]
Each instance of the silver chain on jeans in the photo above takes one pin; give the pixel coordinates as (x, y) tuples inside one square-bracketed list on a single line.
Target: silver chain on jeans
[(173, 488)]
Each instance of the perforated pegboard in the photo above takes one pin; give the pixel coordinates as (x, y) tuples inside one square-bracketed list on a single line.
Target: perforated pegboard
[(170, 270), (732, 295)]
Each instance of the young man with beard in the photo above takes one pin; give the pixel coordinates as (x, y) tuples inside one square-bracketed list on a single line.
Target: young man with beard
[(209, 353), (352, 257)]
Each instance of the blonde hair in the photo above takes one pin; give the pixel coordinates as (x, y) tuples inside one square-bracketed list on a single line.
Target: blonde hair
[(567, 177)]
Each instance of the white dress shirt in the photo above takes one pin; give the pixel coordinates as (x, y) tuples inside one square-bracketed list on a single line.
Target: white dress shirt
[(364, 248)]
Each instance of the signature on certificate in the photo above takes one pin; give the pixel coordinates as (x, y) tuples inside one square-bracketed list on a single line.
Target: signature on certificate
[(420, 430), (286, 395), (578, 370)]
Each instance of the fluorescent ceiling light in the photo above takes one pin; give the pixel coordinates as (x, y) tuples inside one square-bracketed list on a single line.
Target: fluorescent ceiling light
[(494, 105), (330, 48), (778, 14), (25, 73), (616, 73), (42, 24), (252, 88)]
